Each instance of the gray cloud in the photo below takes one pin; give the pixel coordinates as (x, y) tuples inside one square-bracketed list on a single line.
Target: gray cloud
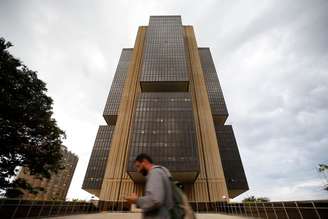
[(271, 58)]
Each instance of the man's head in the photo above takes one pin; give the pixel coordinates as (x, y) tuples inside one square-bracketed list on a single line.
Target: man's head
[(143, 163)]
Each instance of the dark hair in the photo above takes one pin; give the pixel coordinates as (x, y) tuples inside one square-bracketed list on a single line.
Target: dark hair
[(142, 157)]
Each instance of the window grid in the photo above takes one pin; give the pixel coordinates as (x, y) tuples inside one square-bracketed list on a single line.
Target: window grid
[(215, 95), (99, 155), (164, 128), (115, 93), (230, 158), (164, 57)]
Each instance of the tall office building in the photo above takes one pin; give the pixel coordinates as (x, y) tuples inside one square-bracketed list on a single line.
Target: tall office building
[(57, 186), (166, 101)]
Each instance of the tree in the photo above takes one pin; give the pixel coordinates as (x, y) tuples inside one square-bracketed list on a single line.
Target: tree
[(252, 198), (29, 136), (323, 168)]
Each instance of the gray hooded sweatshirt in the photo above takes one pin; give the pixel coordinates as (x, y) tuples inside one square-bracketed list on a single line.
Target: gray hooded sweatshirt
[(158, 194)]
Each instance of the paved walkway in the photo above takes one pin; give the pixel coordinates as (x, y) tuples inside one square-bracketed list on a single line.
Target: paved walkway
[(106, 215)]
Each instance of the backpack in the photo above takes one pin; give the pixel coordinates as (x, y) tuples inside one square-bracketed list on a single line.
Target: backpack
[(181, 208)]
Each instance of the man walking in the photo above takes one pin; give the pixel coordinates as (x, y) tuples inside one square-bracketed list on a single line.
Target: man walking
[(157, 201)]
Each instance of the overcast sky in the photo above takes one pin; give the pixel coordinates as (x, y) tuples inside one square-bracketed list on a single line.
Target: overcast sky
[(271, 58)]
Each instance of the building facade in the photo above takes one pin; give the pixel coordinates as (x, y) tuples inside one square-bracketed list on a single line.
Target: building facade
[(57, 186), (165, 100)]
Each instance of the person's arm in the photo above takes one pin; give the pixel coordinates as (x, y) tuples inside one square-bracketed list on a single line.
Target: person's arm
[(154, 194)]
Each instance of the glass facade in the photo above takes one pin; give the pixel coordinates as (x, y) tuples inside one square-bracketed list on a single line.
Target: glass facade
[(115, 93), (231, 161), (214, 91), (97, 163), (164, 56), (164, 128)]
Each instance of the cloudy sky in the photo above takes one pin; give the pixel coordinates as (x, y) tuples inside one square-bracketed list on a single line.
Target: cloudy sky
[(271, 57)]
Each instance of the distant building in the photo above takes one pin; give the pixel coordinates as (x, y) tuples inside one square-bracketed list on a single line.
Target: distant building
[(166, 100), (57, 186)]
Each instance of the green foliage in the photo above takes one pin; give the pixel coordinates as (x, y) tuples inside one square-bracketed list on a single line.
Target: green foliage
[(254, 199), (15, 191), (323, 168), (78, 200), (29, 136)]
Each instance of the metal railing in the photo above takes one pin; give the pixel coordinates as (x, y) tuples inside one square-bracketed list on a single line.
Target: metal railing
[(277, 210), (13, 208)]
